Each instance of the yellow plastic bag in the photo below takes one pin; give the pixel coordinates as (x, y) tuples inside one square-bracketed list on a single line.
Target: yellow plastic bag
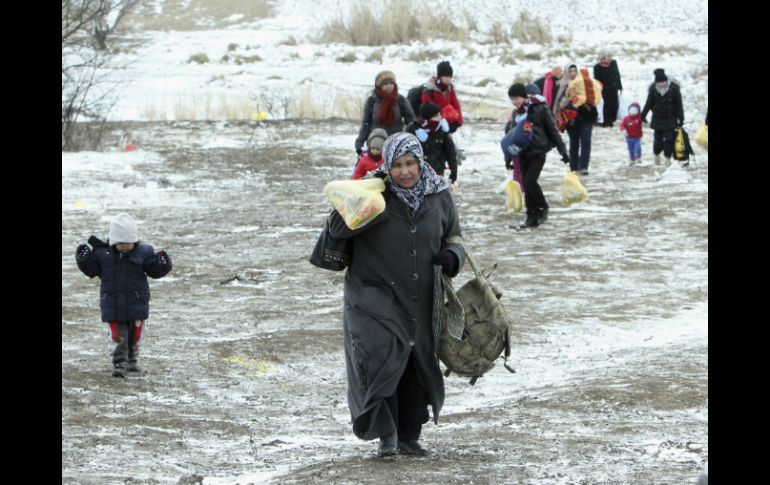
[(702, 137), (572, 191), (357, 201), (513, 199)]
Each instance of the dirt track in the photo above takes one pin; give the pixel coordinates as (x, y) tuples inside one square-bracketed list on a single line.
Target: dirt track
[(243, 373)]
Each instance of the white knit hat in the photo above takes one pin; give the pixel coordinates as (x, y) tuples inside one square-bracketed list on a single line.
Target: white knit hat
[(123, 229)]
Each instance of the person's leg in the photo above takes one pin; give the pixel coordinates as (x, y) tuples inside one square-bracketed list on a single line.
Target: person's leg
[(630, 142), (412, 403), (637, 149), (535, 200), (669, 137), (586, 130), (134, 336), (574, 145), (117, 345)]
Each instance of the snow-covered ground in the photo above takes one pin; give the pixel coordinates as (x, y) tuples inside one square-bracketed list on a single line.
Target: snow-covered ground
[(243, 371)]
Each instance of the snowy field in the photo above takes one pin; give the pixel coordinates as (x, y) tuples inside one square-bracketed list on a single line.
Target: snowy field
[(242, 363)]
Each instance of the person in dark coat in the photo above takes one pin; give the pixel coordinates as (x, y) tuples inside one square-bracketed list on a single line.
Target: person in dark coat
[(607, 73), (391, 358), (665, 101), (384, 108), (123, 264), (437, 145), (532, 158), (440, 91)]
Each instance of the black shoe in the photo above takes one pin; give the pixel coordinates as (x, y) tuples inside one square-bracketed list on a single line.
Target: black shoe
[(530, 222), (388, 445), (411, 447), (119, 371), (542, 216), (131, 367)]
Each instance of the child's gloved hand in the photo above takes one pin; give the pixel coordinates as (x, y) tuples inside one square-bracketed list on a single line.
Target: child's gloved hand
[(444, 125), (82, 252), (421, 135), (162, 258)]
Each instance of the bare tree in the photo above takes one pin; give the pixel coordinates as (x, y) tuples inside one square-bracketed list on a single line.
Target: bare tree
[(99, 18), (88, 73)]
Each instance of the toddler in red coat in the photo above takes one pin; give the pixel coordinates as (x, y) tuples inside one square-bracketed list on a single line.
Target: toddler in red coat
[(371, 159), (632, 130)]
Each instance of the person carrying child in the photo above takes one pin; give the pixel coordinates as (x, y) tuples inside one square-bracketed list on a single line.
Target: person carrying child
[(433, 132)]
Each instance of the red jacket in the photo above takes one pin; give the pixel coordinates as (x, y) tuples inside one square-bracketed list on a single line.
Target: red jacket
[(365, 165), (632, 124), (446, 101)]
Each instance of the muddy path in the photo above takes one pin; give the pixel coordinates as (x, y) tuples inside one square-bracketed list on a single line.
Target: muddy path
[(242, 375)]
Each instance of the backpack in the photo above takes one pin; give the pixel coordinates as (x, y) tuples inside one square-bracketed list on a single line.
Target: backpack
[(682, 147), (413, 96), (474, 327), (518, 139)]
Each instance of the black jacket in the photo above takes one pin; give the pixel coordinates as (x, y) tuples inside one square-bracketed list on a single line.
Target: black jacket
[(609, 77), (388, 311), (124, 293), (667, 112), (403, 116), (546, 136), (439, 149)]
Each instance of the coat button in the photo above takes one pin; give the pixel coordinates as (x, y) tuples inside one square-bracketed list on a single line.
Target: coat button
[(413, 253), (414, 297), (415, 276), (414, 320), (413, 229)]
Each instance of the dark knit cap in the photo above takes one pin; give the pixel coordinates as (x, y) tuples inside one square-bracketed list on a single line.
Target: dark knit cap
[(429, 110), (660, 76), (517, 89), (533, 88), (444, 69)]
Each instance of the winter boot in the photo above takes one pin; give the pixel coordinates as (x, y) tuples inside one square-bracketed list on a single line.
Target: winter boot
[(668, 161), (657, 159), (411, 447), (388, 445), (119, 370), (542, 216), (132, 367), (531, 221)]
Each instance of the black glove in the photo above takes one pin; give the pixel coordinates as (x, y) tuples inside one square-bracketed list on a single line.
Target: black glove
[(381, 174), (450, 265), (359, 152), (82, 253), (162, 258), (565, 158), (509, 164)]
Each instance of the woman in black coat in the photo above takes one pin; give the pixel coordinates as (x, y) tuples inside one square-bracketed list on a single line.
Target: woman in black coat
[(665, 101), (392, 366), (607, 73)]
